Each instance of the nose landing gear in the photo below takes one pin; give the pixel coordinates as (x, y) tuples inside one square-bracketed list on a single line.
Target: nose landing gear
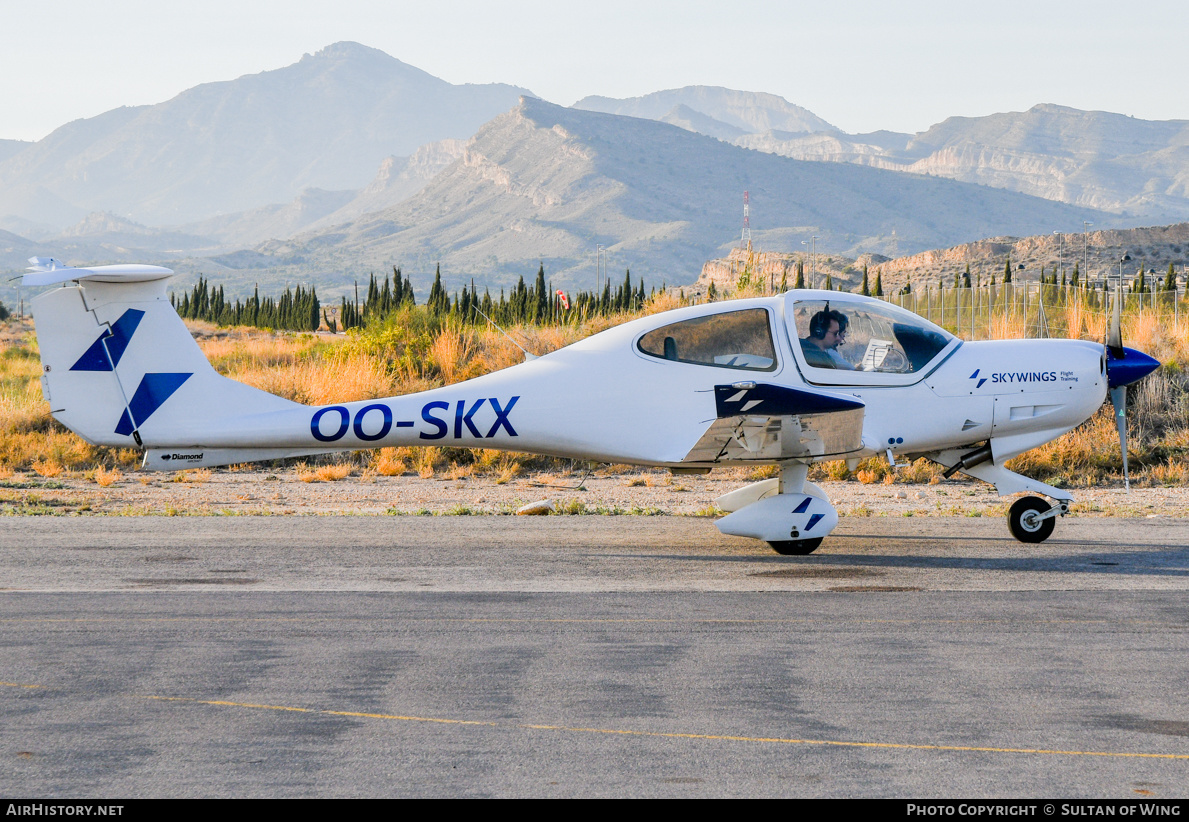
[(1032, 519)]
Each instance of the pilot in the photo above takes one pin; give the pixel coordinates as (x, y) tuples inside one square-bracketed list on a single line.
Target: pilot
[(827, 330)]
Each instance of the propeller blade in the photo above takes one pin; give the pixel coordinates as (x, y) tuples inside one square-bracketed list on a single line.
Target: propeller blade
[(1119, 401), (1114, 339)]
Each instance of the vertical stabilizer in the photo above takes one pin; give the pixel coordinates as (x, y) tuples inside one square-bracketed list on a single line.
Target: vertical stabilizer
[(120, 368)]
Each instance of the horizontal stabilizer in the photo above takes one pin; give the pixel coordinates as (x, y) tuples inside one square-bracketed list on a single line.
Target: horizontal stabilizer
[(48, 271)]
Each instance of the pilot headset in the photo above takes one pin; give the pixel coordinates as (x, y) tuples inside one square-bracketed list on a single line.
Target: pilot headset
[(819, 323)]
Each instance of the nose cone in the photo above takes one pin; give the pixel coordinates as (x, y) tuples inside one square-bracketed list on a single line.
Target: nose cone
[(1131, 367)]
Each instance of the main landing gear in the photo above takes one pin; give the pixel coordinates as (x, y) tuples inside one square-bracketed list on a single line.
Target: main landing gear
[(789, 513), (796, 547)]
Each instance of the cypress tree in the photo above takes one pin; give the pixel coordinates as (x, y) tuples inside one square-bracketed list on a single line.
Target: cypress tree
[(439, 301), (1007, 271), (865, 289), (878, 284), (541, 308)]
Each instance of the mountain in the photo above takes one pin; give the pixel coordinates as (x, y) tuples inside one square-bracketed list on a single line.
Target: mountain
[(277, 220), (11, 147), (327, 122), (690, 120), (543, 183), (1089, 158), (397, 179), (747, 111)]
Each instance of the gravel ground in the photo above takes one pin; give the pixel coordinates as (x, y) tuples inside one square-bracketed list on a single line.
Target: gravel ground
[(280, 491)]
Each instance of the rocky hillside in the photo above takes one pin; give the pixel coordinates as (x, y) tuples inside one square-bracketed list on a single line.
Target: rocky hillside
[(1151, 250), (1091, 158)]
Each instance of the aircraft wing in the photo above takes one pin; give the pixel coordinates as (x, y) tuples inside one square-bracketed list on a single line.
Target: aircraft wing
[(770, 422)]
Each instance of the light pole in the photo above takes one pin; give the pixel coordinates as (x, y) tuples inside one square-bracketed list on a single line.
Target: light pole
[(812, 243), (1086, 250), (598, 269)]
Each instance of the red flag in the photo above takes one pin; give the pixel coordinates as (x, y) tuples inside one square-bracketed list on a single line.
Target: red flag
[(564, 301)]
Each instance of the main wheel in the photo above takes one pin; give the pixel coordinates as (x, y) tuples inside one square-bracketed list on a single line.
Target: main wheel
[(1023, 523), (796, 547)]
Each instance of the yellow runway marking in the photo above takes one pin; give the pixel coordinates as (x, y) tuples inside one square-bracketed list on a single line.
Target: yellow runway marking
[(771, 740), (674, 735)]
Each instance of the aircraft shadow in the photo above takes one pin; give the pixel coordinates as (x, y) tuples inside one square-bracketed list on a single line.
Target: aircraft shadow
[(1154, 561)]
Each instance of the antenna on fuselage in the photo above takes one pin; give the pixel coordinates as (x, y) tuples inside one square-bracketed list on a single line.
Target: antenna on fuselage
[(527, 355)]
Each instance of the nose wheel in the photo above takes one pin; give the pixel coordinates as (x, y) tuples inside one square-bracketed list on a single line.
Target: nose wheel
[(1032, 519)]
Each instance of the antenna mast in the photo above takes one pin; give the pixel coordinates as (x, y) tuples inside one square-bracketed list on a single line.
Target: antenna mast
[(745, 240)]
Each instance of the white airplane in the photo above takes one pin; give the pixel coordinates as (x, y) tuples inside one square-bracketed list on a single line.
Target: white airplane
[(742, 382)]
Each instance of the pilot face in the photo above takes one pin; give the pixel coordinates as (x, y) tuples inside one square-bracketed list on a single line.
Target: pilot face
[(833, 337)]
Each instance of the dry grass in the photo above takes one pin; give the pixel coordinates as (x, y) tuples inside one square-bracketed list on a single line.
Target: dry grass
[(387, 463), (331, 472), (105, 477), (195, 475), (47, 468), (426, 461)]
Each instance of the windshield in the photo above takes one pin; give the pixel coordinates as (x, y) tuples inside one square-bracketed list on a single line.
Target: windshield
[(871, 336)]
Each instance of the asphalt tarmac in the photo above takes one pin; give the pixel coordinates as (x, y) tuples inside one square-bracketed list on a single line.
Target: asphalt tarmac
[(590, 656)]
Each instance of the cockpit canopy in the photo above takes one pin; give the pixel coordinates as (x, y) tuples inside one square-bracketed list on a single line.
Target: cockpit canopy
[(880, 344), (731, 339)]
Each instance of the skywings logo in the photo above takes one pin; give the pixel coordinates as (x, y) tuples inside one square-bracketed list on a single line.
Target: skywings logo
[(1014, 377)]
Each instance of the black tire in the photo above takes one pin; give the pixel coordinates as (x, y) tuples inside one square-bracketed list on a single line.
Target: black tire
[(1018, 520), (796, 547)]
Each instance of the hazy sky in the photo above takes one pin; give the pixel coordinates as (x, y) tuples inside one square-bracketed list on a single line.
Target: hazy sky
[(860, 65)]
